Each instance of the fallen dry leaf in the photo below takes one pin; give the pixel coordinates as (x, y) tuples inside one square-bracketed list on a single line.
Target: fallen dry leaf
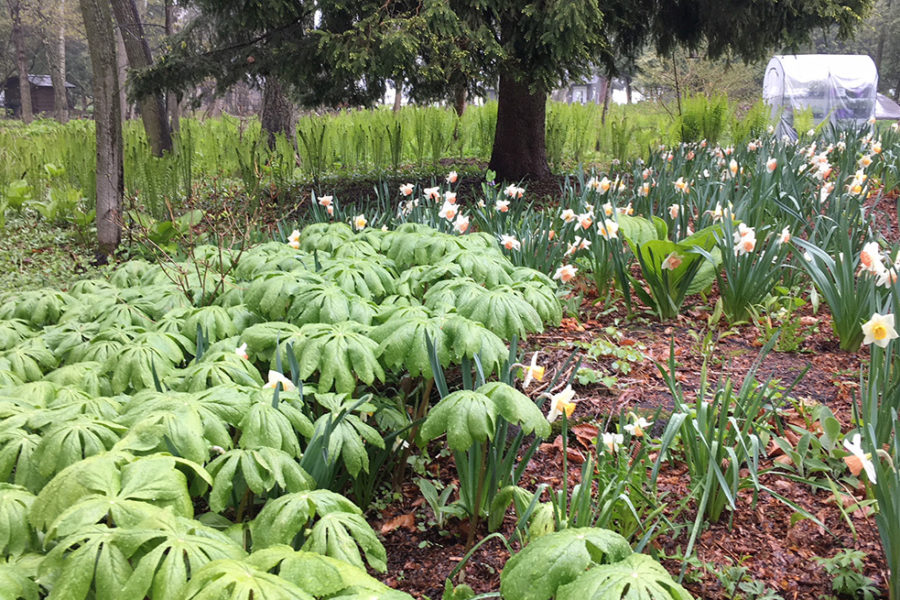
[(407, 521)]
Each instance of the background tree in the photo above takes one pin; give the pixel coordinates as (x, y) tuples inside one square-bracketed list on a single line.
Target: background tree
[(348, 52), (108, 119), (137, 49), (18, 39)]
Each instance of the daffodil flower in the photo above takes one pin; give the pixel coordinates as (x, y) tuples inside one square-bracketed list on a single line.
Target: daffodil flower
[(612, 441), (452, 177), (510, 242), (672, 262), (450, 197), (242, 351), (407, 189), (276, 378), (560, 403), (879, 329), (565, 273), (294, 240), (360, 222), (533, 372), (858, 459), (638, 427)]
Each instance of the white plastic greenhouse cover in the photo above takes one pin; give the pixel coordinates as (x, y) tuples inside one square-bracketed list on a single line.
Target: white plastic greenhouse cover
[(839, 87)]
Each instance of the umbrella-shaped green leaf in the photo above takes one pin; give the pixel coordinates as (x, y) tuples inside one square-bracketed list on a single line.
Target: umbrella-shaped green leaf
[(638, 577)]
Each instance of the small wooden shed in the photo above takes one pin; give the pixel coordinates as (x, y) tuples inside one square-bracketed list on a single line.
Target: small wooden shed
[(41, 94)]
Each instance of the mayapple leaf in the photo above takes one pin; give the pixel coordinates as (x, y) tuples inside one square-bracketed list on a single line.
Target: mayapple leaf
[(341, 535), (16, 534), (230, 579), (465, 416), (215, 321), (324, 237), (517, 408), (283, 518), (347, 440), (363, 277), (261, 468), (637, 577), (341, 353), (553, 560), (262, 339)]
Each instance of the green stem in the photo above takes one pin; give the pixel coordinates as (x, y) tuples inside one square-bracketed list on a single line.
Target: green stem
[(242, 508), (475, 517)]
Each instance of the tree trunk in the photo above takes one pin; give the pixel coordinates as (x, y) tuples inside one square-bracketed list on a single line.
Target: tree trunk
[(398, 96), (882, 35), (153, 112), (459, 100), (607, 94), (171, 97), (628, 90), (122, 74), (108, 118), (277, 112), (56, 57), (519, 150), (18, 36)]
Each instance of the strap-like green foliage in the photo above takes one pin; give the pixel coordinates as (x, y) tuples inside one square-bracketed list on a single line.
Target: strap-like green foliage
[(553, 560), (468, 416), (638, 577)]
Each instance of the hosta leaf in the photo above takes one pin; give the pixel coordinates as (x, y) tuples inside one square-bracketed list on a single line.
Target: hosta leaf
[(229, 579), (555, 559), (341, 353), (261, 468), (465, 416), (282, 519), (516, 407), (338, 534), (171, 549), (16, 534), (637, 230), (638, 577)]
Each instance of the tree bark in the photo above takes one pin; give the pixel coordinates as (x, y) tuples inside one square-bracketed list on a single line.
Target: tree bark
[(519, 150), (56, 56), (277, 112), (628, 90), (882, 35), (459, 100), (398, 96), (108, 118), (171, 97), (18, 36), (153, 112), (607, 95)]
